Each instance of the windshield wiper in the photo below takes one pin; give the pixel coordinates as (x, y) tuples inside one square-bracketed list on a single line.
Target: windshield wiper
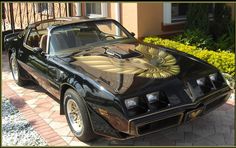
[(74, 53)]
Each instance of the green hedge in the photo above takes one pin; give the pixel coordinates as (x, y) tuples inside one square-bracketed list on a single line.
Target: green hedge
[(223, 60)]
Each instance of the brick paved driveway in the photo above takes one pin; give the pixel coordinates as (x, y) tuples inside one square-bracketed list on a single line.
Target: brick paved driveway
[(42, 111)]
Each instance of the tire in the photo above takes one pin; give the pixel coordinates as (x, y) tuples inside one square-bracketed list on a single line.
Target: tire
[(16, 70), (81, 128)]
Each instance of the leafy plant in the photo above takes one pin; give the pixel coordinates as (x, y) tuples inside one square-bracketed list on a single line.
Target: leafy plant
[(223, 60), (227, 40), (198, 17), (219, 33), (195, 37), (221, 20)]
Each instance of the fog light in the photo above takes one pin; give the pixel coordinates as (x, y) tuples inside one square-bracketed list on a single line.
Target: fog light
[(131, 103), (153, 97)]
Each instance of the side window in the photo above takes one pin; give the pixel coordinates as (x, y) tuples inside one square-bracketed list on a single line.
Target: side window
[(33, 39), (37, 38)]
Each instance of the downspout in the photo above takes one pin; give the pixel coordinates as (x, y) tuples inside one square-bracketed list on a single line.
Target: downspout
[(117, 16)]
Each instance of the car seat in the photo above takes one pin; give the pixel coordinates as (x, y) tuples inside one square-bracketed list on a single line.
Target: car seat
[(43, 42)]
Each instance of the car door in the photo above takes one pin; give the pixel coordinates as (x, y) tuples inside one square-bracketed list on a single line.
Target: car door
[(35, 63)]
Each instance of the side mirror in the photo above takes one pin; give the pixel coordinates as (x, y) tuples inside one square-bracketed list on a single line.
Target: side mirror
[(133, 34), (37, 50)]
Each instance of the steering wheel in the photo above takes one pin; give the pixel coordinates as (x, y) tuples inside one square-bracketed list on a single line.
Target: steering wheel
[(107, 37)]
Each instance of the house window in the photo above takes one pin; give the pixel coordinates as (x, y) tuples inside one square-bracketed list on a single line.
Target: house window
[(96, 9), (177, 12)]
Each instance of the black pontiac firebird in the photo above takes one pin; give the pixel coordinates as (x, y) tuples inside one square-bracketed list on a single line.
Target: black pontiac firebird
[(108, 82)]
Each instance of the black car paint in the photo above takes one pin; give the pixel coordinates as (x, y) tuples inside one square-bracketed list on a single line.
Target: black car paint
[(105, 103)]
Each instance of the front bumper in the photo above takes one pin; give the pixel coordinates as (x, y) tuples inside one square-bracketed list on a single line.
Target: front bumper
[(160, 120), (177, 115)]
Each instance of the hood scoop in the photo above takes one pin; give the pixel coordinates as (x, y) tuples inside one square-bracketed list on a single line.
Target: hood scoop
[(120, 53)]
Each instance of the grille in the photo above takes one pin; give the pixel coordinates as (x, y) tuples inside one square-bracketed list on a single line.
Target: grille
[(160, 124)]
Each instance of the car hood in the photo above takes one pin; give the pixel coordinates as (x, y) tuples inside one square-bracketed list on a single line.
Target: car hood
[(126, 68)]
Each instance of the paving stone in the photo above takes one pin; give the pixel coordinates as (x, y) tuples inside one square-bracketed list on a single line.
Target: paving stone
[(187, 127), (190, 137), (232, 129), (55, 108), (32, 105), (183, 144), (48, 120), (164, 141), (67, 139), (168, 131), (204, 133), (32, 101), (222, 129), (153, 136), (128, 142), (202, 126), (203, 142), (45, 114), (63, 131), (99, 142), (142, 143), (175, 136), (229, 139), (217, 139), (57, 125), (78, 143)]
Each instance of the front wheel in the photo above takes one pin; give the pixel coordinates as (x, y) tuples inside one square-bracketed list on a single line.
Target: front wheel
[(16, 70), (77, 116)]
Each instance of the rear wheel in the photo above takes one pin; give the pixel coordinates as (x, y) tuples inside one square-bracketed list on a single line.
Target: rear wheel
[(16, 70), (77, 116)]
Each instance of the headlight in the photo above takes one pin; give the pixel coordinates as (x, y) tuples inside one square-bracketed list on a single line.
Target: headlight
[(153, 97), (201, 81), (213, 76), (131, 103)]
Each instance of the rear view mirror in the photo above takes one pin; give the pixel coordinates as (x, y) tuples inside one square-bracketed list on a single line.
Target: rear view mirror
[(133, 34)]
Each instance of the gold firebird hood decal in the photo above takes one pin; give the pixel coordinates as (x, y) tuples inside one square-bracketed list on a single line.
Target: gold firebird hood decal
[(156, 63)]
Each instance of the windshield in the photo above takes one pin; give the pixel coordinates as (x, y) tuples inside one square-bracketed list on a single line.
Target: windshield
[(70, 37)]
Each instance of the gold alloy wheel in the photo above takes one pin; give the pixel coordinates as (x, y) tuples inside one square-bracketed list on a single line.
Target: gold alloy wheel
[(74, 116)]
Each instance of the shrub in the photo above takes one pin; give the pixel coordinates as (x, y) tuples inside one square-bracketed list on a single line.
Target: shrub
[(201, 32), (221, 20), (197, 16), (195, 37), (223, 60), (227, 40)]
